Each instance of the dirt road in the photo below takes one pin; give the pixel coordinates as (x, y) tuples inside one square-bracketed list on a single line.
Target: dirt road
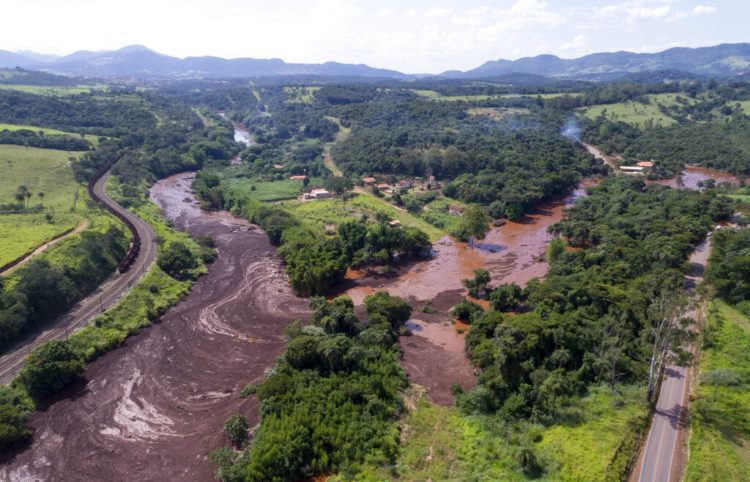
[(104, 297), (662, 460), (153, 409)]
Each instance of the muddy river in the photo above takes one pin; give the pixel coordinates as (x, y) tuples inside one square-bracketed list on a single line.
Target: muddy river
[(154, 408)]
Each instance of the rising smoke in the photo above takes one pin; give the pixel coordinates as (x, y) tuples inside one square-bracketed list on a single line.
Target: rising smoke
[(572, 129)]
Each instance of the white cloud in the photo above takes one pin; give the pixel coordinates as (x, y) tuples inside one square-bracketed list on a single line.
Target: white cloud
[(578, 43)]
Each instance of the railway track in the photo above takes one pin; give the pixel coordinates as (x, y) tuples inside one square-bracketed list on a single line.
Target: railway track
[(131, 269)]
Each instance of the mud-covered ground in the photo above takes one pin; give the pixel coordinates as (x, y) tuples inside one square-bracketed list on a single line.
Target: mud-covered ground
[(434, 356), (154, 408)]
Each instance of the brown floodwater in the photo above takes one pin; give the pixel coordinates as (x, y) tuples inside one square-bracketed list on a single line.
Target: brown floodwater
[(514, 253), (153, 409), (693, 175)]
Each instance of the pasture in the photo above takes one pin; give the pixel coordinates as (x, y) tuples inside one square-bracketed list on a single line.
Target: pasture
[(94, 140), (332, 212), (440, 443), (40, 170), (720, 438)]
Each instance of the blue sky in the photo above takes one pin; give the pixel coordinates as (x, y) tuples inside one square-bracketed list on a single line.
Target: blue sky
[(412, 36)]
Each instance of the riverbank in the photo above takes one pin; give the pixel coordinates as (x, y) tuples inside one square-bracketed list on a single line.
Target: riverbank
[(156, 406)]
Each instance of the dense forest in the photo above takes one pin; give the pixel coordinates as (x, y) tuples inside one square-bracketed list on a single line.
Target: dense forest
[(589, 321), (729, 267), (86, 113), (332, 401)]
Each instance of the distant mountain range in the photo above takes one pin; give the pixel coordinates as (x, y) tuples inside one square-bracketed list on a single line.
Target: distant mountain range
[(138, 61)]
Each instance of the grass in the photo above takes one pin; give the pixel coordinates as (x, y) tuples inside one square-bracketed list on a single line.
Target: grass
[(205, 120), (432, 95), (41, 170), (341, 136), (630, 112), (94, 140), (264, 190), (53, 90), (745, 104), (720, 432), (332, 212), (301, 95), (439, 443), (156, 292)]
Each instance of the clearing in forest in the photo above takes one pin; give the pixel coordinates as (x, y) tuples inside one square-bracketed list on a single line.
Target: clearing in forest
[(24, 226)]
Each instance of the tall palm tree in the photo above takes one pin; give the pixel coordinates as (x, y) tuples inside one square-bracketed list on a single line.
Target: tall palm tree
[(22, 194), (41, 198)]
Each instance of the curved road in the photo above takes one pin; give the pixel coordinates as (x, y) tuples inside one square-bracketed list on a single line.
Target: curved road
[(103, 298)]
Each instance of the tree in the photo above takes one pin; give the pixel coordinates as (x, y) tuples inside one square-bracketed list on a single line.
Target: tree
[(49, 368), (177, 259), (506, 297), (466, 310), (41, 198), (474, 224), (21, 195), (338, 184), (395, 310), (479, 285), (555, 248), (236, 428), (527, 460)]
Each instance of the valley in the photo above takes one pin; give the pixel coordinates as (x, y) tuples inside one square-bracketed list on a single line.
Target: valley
[(352, 282)]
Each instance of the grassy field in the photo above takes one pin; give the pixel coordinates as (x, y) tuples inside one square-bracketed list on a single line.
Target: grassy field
[(745, 104), (431, 94), (205, 120), (720, 438), (629, 112), (440, 444), (301, 95), (94, 140), (264, 191), (332, 212), (53, 90), (41, 170)]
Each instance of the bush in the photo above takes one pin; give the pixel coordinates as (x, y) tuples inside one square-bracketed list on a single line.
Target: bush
[(236, 428), (466, 310), (177, 260), (49, 368)]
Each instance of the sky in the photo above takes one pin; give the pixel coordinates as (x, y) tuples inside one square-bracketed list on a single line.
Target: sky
[(412, 36)]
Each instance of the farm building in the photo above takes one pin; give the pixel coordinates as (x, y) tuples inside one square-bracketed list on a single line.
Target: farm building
[(631, 169), (646, 164), (369, 180), (395, 223), (455, 209), (297, 178), (319, 194)]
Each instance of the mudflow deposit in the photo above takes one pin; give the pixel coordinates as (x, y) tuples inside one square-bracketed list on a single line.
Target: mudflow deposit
[(154, 408)]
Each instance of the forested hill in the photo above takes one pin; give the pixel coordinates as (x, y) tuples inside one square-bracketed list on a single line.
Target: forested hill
[(719, 60), (138, 61)]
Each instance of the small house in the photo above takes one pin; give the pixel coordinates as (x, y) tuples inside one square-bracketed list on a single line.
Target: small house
[(298, 178), (383, 186), (395, 223), (636, 170), (319, 194), (278, 166), (646, 164), (369, 181)]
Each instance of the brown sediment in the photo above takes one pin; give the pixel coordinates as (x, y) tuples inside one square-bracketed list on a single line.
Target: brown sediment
[(434, 357), (692, 175), (513, 253), (153, 409)]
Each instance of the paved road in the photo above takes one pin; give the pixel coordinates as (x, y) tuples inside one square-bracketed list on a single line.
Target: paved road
[(661, 461), (104, 297)]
